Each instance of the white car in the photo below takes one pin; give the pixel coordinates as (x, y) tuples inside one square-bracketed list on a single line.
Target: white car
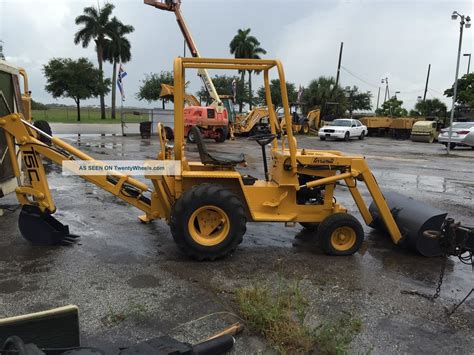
[(343, 128), (462, 135)]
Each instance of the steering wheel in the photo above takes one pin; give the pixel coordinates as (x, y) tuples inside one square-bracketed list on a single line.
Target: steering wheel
[(263, 139)]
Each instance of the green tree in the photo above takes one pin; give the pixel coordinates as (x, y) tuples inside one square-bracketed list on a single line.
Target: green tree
[(358, 100), (276, 94), (324, 93), (117, 50), (150, 87), (35, 105), (75, 79), (244, 45), (430, 107), (392, 108), (223, 84), (465, 92), (97, 26)]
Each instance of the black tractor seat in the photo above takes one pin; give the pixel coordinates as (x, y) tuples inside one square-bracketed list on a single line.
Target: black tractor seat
[(215, 159)]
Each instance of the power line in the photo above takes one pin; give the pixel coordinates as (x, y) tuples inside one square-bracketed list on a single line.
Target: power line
[(358, 77)]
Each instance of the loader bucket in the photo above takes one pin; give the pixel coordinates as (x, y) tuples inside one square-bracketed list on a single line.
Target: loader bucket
[(412, 218), (40, 228)]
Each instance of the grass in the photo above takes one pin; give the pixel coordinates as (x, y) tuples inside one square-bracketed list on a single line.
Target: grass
[(280, 317), (133, 310), (88, 115)]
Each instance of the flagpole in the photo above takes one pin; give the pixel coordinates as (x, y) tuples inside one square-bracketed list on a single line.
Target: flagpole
[(121, 117)]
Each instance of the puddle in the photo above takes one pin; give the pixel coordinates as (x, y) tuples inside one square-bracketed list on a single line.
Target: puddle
[(10, 286), (144, 281)]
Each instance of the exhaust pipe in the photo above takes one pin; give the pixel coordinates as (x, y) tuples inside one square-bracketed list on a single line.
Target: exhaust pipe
[(413, 218)]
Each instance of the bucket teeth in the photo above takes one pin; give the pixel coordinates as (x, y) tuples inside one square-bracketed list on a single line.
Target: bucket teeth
[(40, 228)]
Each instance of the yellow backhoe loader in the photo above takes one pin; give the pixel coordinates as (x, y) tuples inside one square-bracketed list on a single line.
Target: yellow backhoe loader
[(208, 203)]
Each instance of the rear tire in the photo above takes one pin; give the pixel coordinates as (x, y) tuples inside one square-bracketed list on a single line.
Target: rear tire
[(340, 234), (362, 135), (208, 222), (347, 136), (46, 128), (304, 128)]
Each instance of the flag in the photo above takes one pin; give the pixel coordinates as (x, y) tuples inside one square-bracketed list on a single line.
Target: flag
[(121, 74)]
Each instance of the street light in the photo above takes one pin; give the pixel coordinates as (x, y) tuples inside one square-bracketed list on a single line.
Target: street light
[(465, 21), (396, 92), (469, 60)]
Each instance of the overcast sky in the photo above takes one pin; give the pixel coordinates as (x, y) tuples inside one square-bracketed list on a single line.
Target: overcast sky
[(394, 39)]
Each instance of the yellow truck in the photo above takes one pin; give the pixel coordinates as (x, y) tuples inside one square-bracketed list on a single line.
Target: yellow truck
[(377, 125)]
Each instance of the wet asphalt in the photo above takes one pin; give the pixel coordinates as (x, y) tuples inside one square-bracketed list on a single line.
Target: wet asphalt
[(131, 283)]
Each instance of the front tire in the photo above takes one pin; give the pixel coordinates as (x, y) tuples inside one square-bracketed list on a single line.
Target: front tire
[(322, 138), (191, 138), (340, 234), (347, 136), (221, 135), (208, 222)]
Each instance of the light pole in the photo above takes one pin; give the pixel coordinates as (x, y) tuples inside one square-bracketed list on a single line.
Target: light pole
[(465, 21), (469, 60), (396, 92)]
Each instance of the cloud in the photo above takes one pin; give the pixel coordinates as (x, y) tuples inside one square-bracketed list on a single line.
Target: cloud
[(395, 39)]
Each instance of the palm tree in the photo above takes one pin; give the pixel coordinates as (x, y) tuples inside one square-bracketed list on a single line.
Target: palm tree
[(97, 27), (117, 50), (324, 93), (254, 53), (243, 45)]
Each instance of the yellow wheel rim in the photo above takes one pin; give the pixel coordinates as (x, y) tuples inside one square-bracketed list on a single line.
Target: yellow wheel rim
[(343, 238), (209, 225), (305, 129)]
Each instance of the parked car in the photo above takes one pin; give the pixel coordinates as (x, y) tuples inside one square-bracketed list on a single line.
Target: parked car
[(343, 128), (462, 135)]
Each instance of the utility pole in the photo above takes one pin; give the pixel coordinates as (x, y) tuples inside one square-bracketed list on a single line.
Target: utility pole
[(426, 85), (387, 91), (378, 98), (339, 64), (469, 61)]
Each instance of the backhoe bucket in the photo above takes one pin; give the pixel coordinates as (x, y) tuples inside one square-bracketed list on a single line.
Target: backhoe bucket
[(40, 228), (413, 218)]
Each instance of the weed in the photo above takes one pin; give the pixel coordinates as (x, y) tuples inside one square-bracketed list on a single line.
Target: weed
[(280, 317)]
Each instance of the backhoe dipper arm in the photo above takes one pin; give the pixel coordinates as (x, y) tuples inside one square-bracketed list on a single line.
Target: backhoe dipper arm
[(172, 6), (36, 190)]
